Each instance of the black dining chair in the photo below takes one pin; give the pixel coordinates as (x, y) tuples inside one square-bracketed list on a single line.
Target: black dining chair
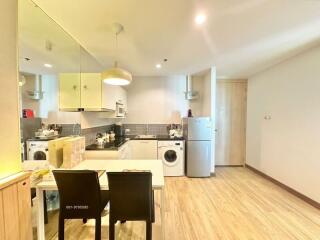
[(80, 197), (131, 198)]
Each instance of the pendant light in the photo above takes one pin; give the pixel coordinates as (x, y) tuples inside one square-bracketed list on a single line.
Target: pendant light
[(116, 75)]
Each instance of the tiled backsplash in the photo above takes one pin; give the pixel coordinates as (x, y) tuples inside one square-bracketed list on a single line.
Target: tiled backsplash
[(154, 129), (28, 127), (90, 133), (70, 129)]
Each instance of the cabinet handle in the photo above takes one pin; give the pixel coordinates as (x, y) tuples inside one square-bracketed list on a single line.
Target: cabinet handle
[(74, 87), (85, 87), (24, 183)]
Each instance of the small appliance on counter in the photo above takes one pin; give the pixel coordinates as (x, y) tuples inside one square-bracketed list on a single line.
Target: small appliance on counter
[(119, 130), (175, 131), (47, 132)]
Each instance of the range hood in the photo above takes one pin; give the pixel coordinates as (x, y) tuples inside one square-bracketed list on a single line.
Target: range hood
[(36, 93), (189, 93)]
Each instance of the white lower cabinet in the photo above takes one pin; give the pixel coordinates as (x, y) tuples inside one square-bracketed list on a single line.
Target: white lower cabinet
[(122, 153), (133, 149), (144, 149)]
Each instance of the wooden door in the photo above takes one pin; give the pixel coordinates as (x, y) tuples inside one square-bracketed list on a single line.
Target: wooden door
[(24, 207), (91, 90), (69, 91), (11, 212), (230, 122)]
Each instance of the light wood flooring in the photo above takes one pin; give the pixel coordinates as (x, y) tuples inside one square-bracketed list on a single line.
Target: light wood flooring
[(236, 204)]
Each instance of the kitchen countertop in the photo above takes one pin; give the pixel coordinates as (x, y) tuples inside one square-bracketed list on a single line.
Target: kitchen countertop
[(108, 146), (119, 141), (158, 137)]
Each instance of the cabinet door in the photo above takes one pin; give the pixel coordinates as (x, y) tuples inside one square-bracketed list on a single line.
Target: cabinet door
[(144, 149), (2, 235), (24, 200), (91, 90), (11, 212), (109, 96), (69, 85)]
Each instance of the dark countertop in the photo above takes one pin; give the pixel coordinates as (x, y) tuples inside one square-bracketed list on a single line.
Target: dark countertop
[(119, 141), (42, 139), (109, 146), (158, 137)]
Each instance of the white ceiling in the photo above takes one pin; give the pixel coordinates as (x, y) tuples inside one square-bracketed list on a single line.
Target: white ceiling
[(240, 37)]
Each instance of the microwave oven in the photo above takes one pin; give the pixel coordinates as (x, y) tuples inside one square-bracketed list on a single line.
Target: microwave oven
[(120, 110)]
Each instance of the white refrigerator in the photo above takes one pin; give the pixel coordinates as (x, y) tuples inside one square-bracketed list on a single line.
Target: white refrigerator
[(197, 133)]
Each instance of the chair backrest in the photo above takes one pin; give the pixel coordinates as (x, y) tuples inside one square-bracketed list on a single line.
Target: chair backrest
[(130, 195), (79, 192)]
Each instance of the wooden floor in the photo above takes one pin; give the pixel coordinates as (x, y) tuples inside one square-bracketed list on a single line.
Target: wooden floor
[(236, 204)]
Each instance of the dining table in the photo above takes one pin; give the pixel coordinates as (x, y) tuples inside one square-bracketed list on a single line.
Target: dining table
[(154, 166)]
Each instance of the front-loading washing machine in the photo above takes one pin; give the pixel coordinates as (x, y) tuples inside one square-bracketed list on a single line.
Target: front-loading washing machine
[(37, 150), (171, 152)]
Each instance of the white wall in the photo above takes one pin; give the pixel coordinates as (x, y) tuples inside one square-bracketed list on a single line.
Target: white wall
[(156, 100), (206, 103), (162, 100), (287, 146), (10, 160), (95, 119)]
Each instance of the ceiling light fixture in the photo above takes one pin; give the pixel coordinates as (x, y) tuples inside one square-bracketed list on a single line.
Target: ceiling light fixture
[(200, 19), (158, 65), (47, 65), (116, 75)]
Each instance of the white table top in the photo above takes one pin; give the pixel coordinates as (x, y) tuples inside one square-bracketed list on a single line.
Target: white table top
[(155, 166)]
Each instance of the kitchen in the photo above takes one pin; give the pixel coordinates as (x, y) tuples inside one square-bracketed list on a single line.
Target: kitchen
[(103, 98)]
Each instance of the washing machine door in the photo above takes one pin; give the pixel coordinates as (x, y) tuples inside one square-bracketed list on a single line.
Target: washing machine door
[(39, 155), (170, 157)]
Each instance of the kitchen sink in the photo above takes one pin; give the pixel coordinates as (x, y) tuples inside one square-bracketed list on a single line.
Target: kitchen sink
[(145, 136)]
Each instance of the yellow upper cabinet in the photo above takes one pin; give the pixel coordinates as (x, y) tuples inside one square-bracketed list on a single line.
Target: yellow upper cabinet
[(80, 91), (91, 90), (69, 93)]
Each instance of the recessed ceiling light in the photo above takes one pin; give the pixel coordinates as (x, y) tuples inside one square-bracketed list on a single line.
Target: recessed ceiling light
[(158, 65), (47, 65), (200, 19)]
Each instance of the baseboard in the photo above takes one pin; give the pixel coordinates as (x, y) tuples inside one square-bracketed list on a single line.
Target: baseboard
[(287, 188), (229, 165)]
